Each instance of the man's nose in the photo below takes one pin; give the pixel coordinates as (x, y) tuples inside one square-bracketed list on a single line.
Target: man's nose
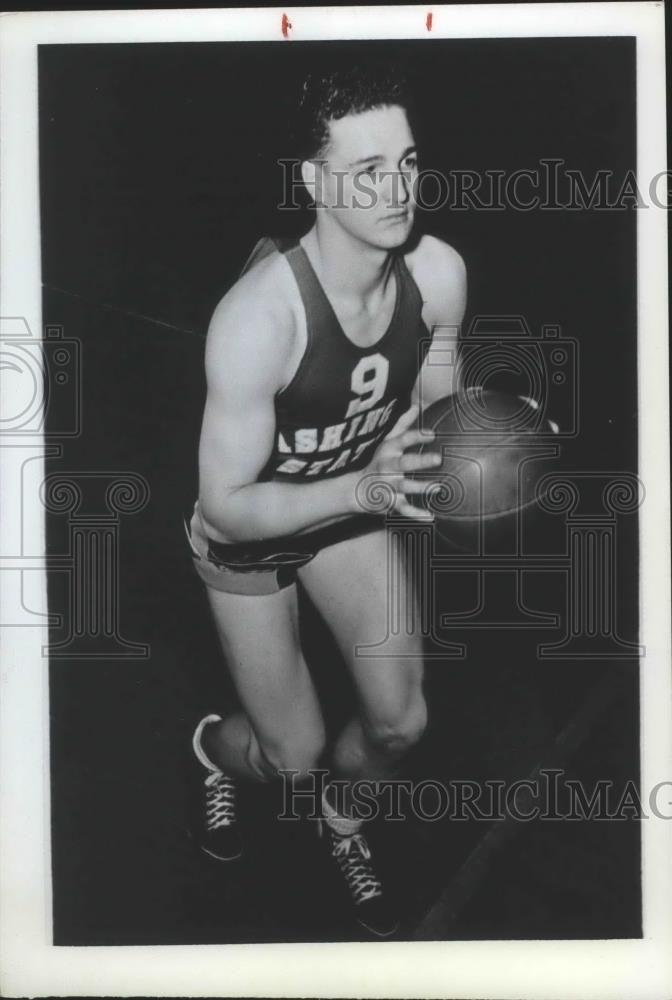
[(397, 189)]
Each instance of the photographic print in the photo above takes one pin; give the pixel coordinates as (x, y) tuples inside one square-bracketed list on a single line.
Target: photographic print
[(333, 407)]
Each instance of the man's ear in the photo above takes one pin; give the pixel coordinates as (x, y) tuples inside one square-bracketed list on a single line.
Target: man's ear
[(311, 173)]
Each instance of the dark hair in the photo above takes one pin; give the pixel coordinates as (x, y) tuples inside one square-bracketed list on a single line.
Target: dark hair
[(333, 94)]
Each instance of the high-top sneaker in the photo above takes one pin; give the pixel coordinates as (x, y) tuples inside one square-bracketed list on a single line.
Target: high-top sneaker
[(351, 854), (216, 825)]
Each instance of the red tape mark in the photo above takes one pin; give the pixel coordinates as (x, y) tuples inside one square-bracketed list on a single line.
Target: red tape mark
[(286, 25), (428, 22)]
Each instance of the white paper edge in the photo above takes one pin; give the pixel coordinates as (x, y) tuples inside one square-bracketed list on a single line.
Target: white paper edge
[(28, 964)]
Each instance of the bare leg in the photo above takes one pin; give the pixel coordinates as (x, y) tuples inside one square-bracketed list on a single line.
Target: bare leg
[(281, 724), (349, 584)]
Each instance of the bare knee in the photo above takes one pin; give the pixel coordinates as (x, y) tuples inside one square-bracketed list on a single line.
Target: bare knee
[(298, 753), (396, 733)]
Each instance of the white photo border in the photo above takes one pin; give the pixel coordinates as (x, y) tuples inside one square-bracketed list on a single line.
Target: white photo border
[(29, 963)]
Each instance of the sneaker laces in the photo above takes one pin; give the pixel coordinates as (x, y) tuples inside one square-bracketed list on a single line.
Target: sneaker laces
[(353, 855), (220, 800)]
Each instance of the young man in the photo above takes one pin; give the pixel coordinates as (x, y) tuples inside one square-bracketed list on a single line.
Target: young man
[(313, 364)]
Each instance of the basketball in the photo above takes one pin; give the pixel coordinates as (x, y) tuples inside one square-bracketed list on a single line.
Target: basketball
[(495, 450)]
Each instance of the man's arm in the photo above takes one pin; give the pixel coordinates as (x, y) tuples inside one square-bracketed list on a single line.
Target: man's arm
[(441, 277), (247, 352)]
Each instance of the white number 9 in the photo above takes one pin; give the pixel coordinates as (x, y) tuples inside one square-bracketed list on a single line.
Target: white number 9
[(369, 381)]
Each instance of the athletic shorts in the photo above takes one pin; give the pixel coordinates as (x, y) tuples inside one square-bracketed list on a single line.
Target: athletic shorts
[(258, 568)]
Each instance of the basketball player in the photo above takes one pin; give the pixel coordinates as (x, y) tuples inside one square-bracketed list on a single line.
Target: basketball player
[(313, 364)]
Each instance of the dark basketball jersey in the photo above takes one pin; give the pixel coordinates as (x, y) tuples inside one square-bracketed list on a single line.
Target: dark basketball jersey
[(343, 399)]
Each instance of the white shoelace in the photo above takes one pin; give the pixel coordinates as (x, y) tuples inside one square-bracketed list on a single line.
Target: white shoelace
[(353, 854), (220, 799)]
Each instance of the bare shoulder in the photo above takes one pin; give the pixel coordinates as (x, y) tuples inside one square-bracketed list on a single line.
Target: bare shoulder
[(256, 323), (437, 267), (441, 275)]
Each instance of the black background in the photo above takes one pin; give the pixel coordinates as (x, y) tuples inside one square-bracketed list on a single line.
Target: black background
[(158, 175)]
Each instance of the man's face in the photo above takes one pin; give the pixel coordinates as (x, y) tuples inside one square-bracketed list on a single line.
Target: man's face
[(367, 176)]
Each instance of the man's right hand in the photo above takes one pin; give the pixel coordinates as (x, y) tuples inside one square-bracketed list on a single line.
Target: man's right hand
[(384, 485)]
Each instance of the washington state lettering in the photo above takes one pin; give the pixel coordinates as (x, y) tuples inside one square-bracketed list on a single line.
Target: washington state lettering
[(328, 444)]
